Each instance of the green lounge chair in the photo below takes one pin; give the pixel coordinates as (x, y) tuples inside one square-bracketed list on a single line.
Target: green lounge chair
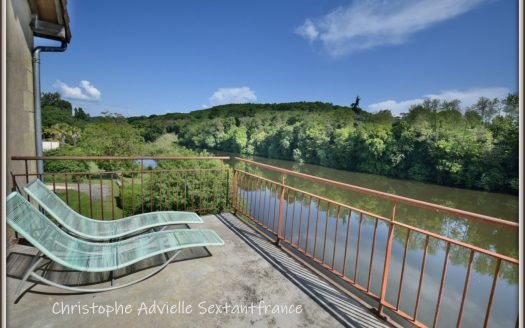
[(97, 230), (77, 254)]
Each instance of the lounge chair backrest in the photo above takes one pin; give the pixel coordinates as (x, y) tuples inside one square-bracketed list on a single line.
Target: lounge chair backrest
[(83, 255), (40, 231), (49, 200), (59, 210), (90, 229)]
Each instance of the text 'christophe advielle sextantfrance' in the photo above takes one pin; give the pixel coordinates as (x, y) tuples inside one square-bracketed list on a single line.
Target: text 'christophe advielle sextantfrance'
[(178, 308)]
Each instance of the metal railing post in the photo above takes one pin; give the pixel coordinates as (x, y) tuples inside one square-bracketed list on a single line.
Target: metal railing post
[(280, 220), (227, 187), (386, 266), (256, 199), (14, 186), (234, 189), (142, 184)]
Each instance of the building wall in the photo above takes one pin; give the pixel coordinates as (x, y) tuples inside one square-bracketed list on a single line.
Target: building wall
[(20, 127), (19, 89)]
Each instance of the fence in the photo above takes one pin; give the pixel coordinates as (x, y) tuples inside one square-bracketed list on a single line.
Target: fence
[(330, 235), (407, 273), (129, 187)]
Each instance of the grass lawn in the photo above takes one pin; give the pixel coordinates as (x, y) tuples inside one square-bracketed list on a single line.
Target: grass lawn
[(98, 206)]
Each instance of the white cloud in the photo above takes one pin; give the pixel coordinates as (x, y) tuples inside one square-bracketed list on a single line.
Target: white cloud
[(91, 91), (366, 24), (308, 30), (85, 91), (395, 107), (232, 96), (467, 98)]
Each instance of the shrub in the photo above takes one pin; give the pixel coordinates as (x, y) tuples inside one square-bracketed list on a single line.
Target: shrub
[(58, 166)]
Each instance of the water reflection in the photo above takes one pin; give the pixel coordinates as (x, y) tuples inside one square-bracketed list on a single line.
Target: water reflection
[(344, 240), (501, 240)]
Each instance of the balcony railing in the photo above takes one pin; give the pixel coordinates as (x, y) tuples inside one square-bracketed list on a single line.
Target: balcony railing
[(329, 236), (130, 186), (381, 249)]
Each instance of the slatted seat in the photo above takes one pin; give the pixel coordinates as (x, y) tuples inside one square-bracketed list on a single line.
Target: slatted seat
[(88, 228), (86, 256)]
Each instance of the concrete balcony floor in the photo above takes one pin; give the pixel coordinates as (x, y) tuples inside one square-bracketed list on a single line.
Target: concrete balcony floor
[(247, 270)]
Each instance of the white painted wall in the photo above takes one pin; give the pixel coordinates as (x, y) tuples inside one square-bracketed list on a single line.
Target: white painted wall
[(48, 145)]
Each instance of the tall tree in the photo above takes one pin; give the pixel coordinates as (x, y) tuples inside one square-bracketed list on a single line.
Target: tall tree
[(511, 106), (80, 114), (486, 108), (53, 99), (355, 104)]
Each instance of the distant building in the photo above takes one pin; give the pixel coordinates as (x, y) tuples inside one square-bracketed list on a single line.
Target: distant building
[(49, 145)]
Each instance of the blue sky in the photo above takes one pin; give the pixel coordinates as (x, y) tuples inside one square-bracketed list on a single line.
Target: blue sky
[(135, 58)]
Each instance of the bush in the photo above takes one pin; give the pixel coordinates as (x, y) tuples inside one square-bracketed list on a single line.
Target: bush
[(58, 166), (183, 188)]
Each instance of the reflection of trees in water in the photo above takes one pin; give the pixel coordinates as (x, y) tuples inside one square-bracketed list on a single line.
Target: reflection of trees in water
[(498, 205), (487, 236), (482, 263), (501, 240)]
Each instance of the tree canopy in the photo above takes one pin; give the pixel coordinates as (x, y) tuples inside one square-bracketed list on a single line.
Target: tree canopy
[(435, 141)]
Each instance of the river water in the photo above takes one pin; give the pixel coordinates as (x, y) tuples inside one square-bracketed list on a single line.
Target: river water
[(504, 309)]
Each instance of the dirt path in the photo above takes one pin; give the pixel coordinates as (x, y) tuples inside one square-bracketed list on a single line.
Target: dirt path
[(96, 189)]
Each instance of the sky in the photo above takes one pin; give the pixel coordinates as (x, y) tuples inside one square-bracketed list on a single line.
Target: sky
[(141, 58)]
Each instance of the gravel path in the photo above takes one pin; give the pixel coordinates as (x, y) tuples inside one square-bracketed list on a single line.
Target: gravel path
[(96, 190)]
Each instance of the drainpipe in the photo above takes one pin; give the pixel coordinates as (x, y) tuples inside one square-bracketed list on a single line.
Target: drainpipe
[(36, 93)]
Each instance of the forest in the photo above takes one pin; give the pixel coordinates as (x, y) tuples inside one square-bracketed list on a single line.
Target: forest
[(437, 141)]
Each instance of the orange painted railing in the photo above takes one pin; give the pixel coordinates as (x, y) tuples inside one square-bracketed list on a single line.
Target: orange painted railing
[(353, 248), (135, 189), (321, 237)]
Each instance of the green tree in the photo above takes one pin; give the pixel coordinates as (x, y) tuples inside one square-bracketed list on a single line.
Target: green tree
[(58, 166), (54, 115), (80, 114), (114, 136), (434, 142), (53, 99), (62, 132), (486, 108), (511, 106)]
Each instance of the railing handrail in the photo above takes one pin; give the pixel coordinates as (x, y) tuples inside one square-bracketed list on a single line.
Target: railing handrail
[(382, 218), (118, 176), (98, 158), (251, 196), (388, 196)]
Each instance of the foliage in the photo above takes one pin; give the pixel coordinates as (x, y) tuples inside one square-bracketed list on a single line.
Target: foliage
[(62, 132), (57, 166), (112, 137), (195, 185), (80, 114), (434, 142), (165, 144), (55, 110), (54, 115), (53, 99)]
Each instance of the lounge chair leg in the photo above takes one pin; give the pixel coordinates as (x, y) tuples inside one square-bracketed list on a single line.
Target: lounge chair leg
[(32, 266), (29, 271), (112, 278), (89, 290)]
